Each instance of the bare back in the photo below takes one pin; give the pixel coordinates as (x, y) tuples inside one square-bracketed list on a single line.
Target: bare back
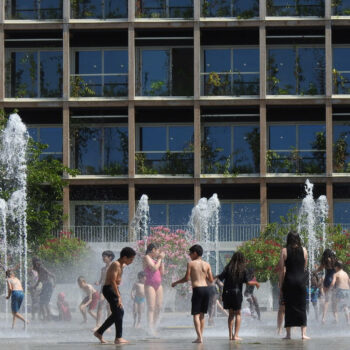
[(341, 280), (114, 274), (14, 284), (200, 272)]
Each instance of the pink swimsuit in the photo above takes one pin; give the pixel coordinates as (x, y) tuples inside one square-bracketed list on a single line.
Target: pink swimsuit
[(153, 278)]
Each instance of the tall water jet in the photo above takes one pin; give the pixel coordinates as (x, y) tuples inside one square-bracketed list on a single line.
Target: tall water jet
[(13, 190), (204, 223), (140, 221)]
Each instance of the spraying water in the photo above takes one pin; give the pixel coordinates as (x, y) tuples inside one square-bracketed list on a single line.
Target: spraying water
[(13, 217), (140, 221)]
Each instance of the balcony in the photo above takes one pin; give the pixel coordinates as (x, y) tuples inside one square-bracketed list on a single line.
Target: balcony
[(240, 9), (97, 9), (34, 9), (302, 8), (164, 9)]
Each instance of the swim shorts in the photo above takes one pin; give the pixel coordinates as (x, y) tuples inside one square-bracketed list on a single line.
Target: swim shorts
[(16, 300), (200, 300)]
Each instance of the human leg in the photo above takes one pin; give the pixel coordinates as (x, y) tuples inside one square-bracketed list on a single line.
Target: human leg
[(82, 309), (237, 314), (151, 304), (303, 333), (198, 328), (230, 319), (256, 305), (325, 305), (288, 333), (158, 304)]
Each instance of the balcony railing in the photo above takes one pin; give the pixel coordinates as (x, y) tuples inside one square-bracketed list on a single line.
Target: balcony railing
[(313, 8), (41, 11)]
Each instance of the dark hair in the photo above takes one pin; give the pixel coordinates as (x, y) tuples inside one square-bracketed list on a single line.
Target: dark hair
[(338, 264), (236, 266), (81, 279), (127, 252), (197, 249), (140, 275), (109, 254), (150, 247), (293, 240), (9, 273), (328, 259)]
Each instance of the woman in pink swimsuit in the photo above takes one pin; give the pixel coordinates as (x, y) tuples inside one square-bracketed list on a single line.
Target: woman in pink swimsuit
[(154, 269)]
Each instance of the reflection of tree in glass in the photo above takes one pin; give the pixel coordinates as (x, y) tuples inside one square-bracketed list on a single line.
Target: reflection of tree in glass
[(318, 162), (341, 153), (46, 88), (116, 168), (83, 9)]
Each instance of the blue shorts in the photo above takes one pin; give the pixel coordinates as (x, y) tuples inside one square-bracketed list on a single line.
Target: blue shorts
[(16, 300)]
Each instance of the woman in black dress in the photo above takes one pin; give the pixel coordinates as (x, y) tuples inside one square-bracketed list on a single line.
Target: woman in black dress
[(293, 262)]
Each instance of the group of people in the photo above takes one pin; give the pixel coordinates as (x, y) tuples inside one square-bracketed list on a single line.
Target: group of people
[(296, 290)]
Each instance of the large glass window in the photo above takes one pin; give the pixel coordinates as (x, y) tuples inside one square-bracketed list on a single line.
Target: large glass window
[(341, 8), (32, 73), (296, 149), (231, 149), (170, 214), (230, 72), (164, 9), (281, 209), (50, 136), (341, 70), (164, 149), (295, 8), (101, 222), (341, 213), (34, 9), (341, 148), (241, 9), (296, 71), (100, 73), (100, 150), (239, 221), (165, 72), (99, 9)]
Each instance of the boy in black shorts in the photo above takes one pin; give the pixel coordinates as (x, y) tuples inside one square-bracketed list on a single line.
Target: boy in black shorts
[(199, 272)]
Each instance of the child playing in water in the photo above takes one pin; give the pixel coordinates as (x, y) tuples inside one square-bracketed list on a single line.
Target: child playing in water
[(234, 275), (314, 292), (63, 308), (15, 292), (138, 296), (342, 292), (90, 301), (251, 298)]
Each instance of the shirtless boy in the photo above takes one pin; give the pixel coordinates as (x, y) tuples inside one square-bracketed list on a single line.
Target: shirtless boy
[(107, 257), (342, 292), (110, 291), (138, 296), (199, 272), (91, 299)]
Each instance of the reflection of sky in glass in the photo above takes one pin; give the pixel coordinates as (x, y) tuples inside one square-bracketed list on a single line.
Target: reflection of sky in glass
[(153, 138), (88, 62), (52, 137), (88, 215), (113, 152), (33, 133), (51, 73), (26, 69), (280, 209), (341, 58), (180, 137), (117, 9), (239, 213), (116, 61), (307, 135), (219, 137), (157, 214), (116, 214), (242, 151), (217, 60), (246, 60), (282, 137), (179, 214), (341, 212)]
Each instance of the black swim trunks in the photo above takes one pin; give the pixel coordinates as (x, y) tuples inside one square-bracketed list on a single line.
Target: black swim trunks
[(200, 300)]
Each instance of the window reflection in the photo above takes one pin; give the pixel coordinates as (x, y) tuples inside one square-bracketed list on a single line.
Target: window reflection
[(100, 73), (165, 150), (230, 8), (170, 214), (281, 209), (158, 77), (296, 149), (341, 148), (230, 72), (231, 149), (341, 8), (34, 9), (101, 150), (296, 71), (341, 213), (161, 9), (100, 9), (341, 70), (295, 8), (34, 74)]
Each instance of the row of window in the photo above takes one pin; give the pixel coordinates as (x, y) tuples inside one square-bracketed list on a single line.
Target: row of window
[(294, 70), (225, 149), (178, 213), (108, 9)]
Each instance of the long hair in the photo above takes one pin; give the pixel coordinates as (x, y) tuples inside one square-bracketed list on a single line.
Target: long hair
[(236, 266), (293, 240), (150, 247), (328, 259)]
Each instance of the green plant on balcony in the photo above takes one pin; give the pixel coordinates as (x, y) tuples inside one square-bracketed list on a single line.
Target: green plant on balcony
[(141, 166), (79, 88), (156, 88), (82, 9), (216, 85), (176, 163), (338, 81), (341, 154)]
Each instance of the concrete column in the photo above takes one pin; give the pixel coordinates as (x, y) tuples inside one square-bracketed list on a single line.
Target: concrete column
[(329, 139), (131, 11), (262, 9), (197, 61), (328, 9), (66, 63), (263, 204), (263, 139), (2, 11), (328, 56), (197, 191), (131, 61), (66, 207), (197, 141), (329, 191), (263, 53), (66, 135), (131, 202), (196, 9), (131, 133), (66, 11), (2, 63)]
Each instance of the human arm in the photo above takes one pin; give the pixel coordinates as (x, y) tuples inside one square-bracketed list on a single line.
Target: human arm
[(116, 272), (319, 269), (305, 257), (254, 283), (210, 277), (186, 278), (9, 288), (90, 291), (281, 270), (133, 292), (333, 280), (148, 262)]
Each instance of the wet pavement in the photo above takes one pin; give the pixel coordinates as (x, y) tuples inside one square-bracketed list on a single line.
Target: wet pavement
[(175, 333)]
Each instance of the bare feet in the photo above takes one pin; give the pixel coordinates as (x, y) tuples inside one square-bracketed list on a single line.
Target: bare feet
[(100, 338), (120, 341), (235, 337), (287, 337), (304, 337), (198, 341)]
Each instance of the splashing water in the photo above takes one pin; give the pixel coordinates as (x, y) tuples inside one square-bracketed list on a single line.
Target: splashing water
[(204, 223), (13, 221), (140, 221)]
